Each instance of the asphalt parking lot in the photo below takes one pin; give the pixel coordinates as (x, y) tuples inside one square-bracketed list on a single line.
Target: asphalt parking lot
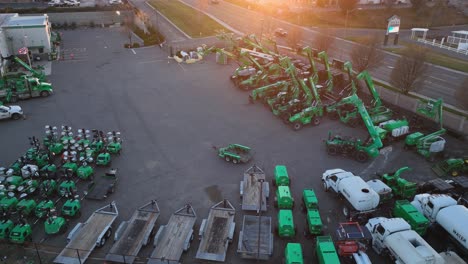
[(170, 116)]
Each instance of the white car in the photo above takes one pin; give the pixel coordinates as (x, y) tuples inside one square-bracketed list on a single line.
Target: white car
[(55, 3), (72, 3), (13, 111), (115, 2)]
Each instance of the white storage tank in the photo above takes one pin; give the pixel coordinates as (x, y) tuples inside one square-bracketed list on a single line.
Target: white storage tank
[(454, 219), (359, 194)]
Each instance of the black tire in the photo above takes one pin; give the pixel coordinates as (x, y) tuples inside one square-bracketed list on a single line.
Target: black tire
[(332, 150), (44, 94), (361, 156), (454, 173), (235, 161), (325, 186), (296, 126), (15, 116), (346, 211), (315, 121), (102, 242), (227, 158), (108, 232)]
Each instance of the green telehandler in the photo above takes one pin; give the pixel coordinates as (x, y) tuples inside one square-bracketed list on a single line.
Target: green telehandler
[(400, 187), (431, 144), (267, 92), (357, 149), (377, 111)]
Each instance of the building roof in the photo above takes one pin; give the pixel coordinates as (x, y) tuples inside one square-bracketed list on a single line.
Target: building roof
[(14, 20)]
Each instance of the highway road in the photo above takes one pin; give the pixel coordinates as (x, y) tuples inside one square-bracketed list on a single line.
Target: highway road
[(438, 81)]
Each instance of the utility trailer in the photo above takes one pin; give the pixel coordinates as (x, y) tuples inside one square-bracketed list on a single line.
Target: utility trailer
[(217, 232), (174, 238), (99, 189), (133, 234), (88, 235), (254, 189), (255, 238)]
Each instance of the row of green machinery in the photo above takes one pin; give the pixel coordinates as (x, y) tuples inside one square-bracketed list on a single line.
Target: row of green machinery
[(33, 186), (301, 98)]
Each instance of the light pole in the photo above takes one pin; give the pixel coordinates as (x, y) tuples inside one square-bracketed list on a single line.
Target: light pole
[(127, 25), (261, 30), (346, 21)]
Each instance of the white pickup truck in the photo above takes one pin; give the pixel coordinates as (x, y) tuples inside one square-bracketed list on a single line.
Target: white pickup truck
[(13, 111)]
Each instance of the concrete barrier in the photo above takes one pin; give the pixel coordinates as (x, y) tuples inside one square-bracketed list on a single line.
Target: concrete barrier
[(454, 120)]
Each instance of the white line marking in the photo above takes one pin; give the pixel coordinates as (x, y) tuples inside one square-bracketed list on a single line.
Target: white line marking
[(133, 51), (437, 78), (182, 67)]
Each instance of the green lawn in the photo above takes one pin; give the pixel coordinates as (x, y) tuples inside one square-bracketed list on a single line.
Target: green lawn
[(433, 57), (193, 22), (439, 59)]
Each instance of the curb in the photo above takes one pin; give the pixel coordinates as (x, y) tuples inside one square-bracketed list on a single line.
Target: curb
[(181, 31)]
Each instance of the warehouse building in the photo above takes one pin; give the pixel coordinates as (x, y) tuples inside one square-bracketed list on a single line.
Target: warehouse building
[(25, 33)]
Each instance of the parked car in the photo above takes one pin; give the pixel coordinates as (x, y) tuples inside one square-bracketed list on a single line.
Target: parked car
[(55, 3), (72, 3), (281, 32), (115, 2), (13, 111)]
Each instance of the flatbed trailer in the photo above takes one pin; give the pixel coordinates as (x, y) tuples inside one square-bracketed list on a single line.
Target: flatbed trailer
[(174, 238), (103, 186), (217, 232), (254, 189), (133, 234), (255, 239), (88, 235)]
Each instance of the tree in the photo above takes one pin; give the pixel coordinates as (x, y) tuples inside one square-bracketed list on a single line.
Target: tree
[(409, 69), (462, 95), (368, 55), (417, 4), (323, 42), (347, 5)]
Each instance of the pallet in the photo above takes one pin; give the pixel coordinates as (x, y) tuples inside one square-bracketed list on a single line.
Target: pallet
[(173, 239), (136, 234), (216, 232), (252, 187)]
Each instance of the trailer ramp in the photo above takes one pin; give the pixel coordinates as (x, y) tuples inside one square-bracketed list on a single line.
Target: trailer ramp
[(254, 190), (216, 232), (173, 239), (136, 234)]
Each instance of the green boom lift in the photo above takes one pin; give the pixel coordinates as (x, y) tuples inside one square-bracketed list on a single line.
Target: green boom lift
[(361, 151), (377, 111), (431, 144)]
